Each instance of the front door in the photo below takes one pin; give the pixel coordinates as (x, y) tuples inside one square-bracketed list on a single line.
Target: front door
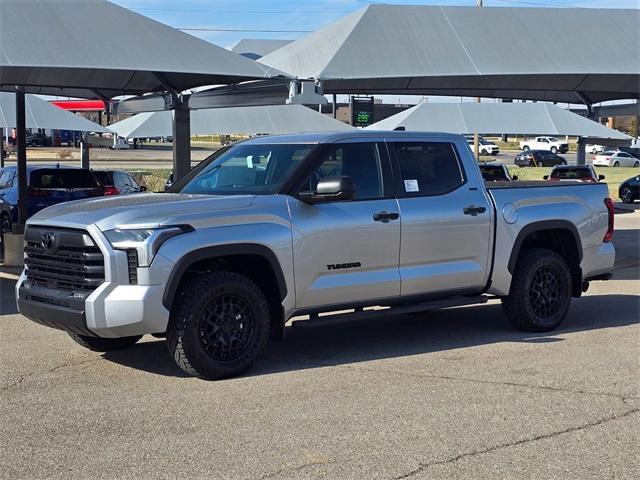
[(344, 252), (445, 217)]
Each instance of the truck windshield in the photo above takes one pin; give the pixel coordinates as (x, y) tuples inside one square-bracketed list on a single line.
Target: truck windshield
[(246, 168)]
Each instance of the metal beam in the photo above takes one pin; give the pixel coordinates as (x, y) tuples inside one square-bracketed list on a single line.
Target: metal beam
[(21, 162)]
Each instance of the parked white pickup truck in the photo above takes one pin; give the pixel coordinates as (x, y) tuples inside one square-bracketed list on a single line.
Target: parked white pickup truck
[(545, 143)]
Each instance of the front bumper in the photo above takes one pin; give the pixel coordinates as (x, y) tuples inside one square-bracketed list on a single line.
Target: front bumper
[(114, 309)]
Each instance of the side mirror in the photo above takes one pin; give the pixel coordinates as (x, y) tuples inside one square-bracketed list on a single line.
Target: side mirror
[(514, 177), (143, 188), (601, 177), (330, 189), (546, 177)]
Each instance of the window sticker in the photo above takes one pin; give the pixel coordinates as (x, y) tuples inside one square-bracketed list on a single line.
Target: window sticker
[(411, 186)]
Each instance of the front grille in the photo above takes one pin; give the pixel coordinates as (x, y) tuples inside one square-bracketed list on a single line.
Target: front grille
[(62, 259)]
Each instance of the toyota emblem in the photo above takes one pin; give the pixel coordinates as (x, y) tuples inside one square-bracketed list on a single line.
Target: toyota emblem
[(48, 241)]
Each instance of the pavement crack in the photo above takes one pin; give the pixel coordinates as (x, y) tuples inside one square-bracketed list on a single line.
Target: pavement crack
[(294, 469), (423, 466), (45, 372), (623, 398)]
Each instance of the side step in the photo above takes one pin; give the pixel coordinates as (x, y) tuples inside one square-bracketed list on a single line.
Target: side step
[(316, 321)]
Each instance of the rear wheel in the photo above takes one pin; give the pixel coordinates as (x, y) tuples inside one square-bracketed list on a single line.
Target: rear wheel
[(626, 195), (98, 344), (540, 293), (636, 164), (219, 325)]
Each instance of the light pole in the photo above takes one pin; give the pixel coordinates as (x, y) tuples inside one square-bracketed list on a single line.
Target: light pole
[(476, 136)]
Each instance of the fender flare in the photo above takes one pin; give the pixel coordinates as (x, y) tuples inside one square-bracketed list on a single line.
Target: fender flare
[(539, 227), (218, 251)]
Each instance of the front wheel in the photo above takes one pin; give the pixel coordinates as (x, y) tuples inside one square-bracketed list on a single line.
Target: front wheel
[(540, 293), (616, 164), (526, 148), (563, 162), (554, 150), (483, 152), (219, 325), (99, 344), (636, 164), (594, 151)]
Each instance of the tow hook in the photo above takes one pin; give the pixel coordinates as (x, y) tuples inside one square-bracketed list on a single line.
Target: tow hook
[(585, 286)]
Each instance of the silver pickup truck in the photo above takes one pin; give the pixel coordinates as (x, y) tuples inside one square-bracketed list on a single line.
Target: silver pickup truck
[(277, 227)]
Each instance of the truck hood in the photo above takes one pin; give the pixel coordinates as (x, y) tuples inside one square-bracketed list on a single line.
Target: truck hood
[(146, 209)]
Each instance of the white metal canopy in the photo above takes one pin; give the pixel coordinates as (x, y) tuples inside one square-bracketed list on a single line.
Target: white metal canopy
[(227, 121), (499, 118), (41, 114), (578, 55)]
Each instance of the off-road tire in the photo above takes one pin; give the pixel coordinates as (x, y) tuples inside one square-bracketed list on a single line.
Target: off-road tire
[(99, 344), (527, 300), (207, 307)]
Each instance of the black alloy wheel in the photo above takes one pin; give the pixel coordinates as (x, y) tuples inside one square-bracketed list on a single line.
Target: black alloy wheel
[(227, 327), (545, 292), (626, 195)]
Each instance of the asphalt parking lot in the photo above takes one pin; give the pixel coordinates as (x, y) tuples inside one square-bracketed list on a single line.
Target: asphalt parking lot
[(450, 394)]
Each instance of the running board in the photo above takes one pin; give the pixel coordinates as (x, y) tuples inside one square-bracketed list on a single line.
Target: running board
[(316, 321)]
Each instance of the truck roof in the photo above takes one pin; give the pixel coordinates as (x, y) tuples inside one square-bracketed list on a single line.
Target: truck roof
[(333, 137)]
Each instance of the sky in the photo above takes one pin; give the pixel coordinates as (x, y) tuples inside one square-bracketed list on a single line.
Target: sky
[(291, 19)]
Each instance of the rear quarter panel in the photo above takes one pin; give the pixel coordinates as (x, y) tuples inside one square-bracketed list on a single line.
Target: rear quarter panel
[(579, 204)]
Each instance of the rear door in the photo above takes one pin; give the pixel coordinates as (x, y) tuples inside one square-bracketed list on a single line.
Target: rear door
[(445, 220), (344, 253)]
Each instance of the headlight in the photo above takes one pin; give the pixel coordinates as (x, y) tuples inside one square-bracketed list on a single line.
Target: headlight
[(145, 241)]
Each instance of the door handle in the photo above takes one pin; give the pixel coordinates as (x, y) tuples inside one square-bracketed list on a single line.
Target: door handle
[(385, 217), (473, 210)]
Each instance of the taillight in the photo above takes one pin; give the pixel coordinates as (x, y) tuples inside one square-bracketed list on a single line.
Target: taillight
[(36, 192), (610, 208), (110, 191)]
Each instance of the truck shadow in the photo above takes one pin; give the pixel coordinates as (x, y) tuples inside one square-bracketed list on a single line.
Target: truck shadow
[(400, 336)]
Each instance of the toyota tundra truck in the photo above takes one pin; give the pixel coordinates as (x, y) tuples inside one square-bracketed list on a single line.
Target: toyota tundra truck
[(305, 225)]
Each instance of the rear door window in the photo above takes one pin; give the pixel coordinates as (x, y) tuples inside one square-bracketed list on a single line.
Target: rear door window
[(427, 168)]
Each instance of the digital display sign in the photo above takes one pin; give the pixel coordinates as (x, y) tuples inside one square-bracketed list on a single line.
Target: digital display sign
[(361, 111)]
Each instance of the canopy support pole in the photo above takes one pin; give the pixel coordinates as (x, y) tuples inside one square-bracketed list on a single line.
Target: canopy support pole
[(1, 147), (181, 140), (21, 162), (181, 128), (582, 152), (84, 152), (335, 108)]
